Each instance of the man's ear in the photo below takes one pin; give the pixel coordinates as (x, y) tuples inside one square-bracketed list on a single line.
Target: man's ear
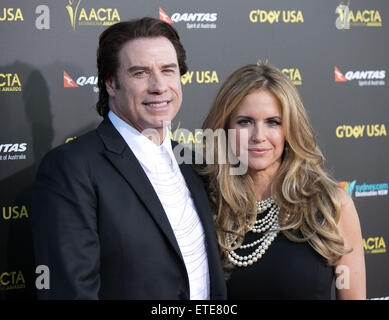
[(110, 86)]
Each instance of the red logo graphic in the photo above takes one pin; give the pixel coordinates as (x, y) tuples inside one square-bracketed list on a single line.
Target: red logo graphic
[(164, 17), (68, 82), (339, 77)]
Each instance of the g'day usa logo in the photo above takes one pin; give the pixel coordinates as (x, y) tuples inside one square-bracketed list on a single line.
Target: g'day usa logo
[(193, 20), (362, 77), (81, 81)]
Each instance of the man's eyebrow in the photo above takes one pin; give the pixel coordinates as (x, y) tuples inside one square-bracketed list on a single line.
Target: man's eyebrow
[(170, 65), (137, 68), (145, 68)]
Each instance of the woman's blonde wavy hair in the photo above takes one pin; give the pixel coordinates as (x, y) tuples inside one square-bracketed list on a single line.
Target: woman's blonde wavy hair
[(301, 187)]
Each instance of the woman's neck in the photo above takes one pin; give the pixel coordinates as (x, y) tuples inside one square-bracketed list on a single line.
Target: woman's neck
[(263, 181)]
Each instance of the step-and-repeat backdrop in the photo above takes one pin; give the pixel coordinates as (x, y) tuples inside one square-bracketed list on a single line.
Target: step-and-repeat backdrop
[(336, 53)]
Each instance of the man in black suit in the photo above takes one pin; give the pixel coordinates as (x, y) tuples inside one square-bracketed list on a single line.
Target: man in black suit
[(114, 215)]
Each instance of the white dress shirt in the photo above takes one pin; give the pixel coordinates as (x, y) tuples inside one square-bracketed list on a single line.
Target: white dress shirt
[(160, 166)]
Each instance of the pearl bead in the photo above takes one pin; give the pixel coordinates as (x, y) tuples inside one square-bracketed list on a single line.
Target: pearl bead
[(269, 222)]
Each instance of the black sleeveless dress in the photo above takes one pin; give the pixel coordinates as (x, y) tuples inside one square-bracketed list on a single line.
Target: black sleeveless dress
[(288, 270)]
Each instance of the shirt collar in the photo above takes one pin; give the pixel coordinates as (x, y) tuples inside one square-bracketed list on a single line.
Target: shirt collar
[(143, 148)]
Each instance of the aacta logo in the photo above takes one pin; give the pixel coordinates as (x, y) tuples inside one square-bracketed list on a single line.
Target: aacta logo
[(360, 18), (11, 14), (276, 16), (91, 17), (294, 75), (70, 139), (12, 280), (68, 82), (200, 77), (193, 20), (374, 245), (185, 136), (364, 77), (10, 82)]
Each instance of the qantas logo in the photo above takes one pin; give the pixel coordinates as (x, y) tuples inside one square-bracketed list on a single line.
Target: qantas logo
[(339, 77), (193, 20), (164, 17), (364, 77), (7, 151), (68, 81)]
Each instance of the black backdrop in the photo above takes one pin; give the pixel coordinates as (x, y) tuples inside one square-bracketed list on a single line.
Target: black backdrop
[(335, 52)]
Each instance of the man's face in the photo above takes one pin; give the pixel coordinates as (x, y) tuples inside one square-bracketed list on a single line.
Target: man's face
[(146, 91)]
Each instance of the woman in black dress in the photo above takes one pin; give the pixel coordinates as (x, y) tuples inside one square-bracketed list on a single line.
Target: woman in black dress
[(286, 230)]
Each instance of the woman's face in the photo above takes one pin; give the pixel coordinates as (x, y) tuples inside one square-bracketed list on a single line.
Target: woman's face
[(259, 134)]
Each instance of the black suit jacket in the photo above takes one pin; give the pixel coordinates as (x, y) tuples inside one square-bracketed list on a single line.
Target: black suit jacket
[(101, 229)]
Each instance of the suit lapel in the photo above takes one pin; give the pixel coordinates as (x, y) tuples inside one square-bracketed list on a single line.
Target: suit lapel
[(123, 159), (125, 162)]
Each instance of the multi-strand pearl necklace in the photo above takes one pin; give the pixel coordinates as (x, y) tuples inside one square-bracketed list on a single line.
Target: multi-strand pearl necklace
[(269, 222)]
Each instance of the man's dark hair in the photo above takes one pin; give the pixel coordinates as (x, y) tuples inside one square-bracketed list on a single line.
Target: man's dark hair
[(113, 39)]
